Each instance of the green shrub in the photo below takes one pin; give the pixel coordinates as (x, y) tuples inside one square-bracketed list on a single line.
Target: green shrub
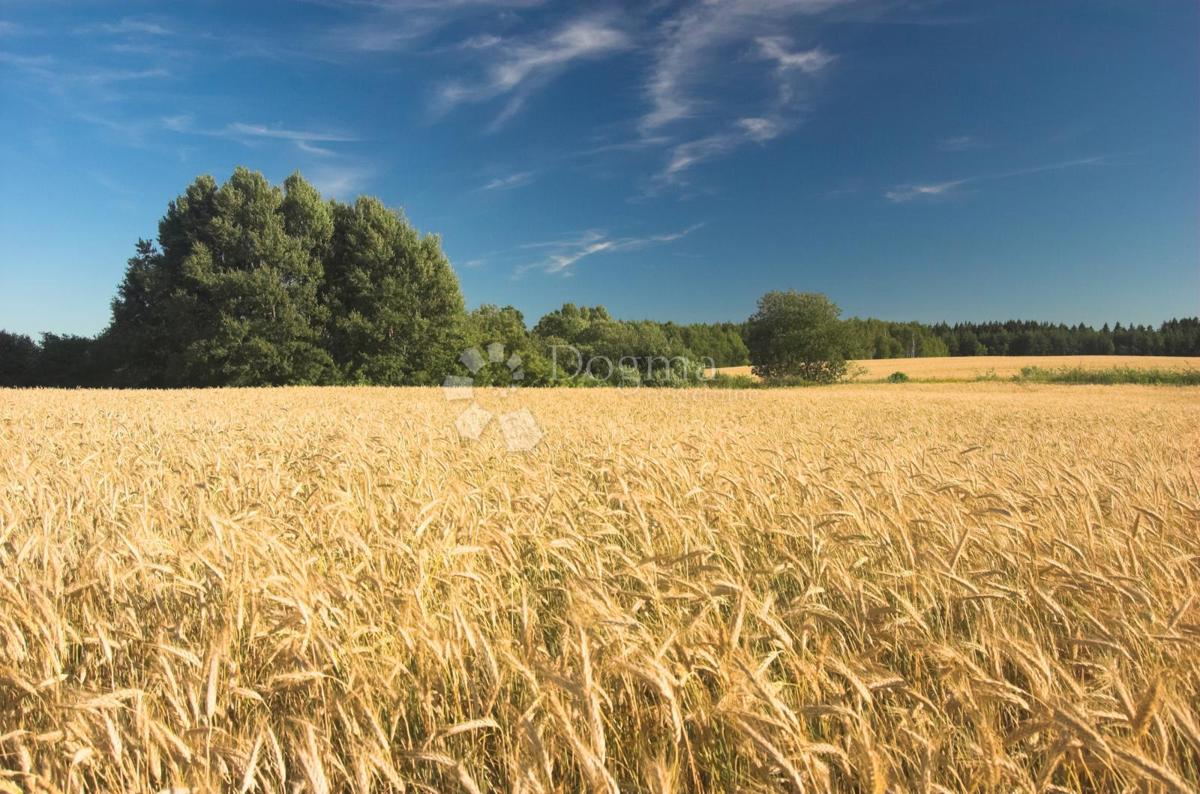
[(627, 376), (897, 377), (723, 381), (788, 381)]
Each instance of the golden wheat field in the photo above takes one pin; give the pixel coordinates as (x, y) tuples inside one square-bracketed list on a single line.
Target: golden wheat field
[(971, 367), (967, 587)]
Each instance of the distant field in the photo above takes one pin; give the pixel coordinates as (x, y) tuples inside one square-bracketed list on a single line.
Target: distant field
[(971, 367), (983, 587)]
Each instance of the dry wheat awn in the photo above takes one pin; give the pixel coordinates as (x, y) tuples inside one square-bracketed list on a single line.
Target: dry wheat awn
[(976, 587)]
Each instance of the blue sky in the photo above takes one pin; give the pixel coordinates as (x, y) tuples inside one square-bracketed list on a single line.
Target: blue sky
[(913, 159)]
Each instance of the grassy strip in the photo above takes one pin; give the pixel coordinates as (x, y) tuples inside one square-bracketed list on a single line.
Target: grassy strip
[(1067, 375), (1113, 375)]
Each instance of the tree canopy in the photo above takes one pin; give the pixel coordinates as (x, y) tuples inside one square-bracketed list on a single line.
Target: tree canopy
[(797, 334), (259, 285)]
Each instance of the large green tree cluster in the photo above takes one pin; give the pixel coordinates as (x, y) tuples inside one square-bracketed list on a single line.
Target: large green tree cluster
[(260, 285)]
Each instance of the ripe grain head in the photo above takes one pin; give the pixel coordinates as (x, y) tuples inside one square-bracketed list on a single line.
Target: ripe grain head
[(970, 587)]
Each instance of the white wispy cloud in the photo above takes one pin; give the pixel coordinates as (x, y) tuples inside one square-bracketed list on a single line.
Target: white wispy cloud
[(312, 148), (77, 88), (334, 174), (522, 66), (905, 193), (179, 123), (9, 28), (690, 153), (508, 182), (135, 132), (791, 64), (429, 5), (307, 141), (27, 62), (60, 77), (105, 76), (339, 181), (109, 183), (562, 255), (403, 25), (484, 41), (591, 243), (127, 26), (238, 129), (374, 37), (776, 49), (699, 44), (695, 36), (960, 143)]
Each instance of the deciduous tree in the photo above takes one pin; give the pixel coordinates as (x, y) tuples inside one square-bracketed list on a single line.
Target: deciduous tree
[(797, 334)]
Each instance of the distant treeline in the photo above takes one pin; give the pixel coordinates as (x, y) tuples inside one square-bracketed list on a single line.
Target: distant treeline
[(67, 361), (557, 348), (253, 284), (883, 339)]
